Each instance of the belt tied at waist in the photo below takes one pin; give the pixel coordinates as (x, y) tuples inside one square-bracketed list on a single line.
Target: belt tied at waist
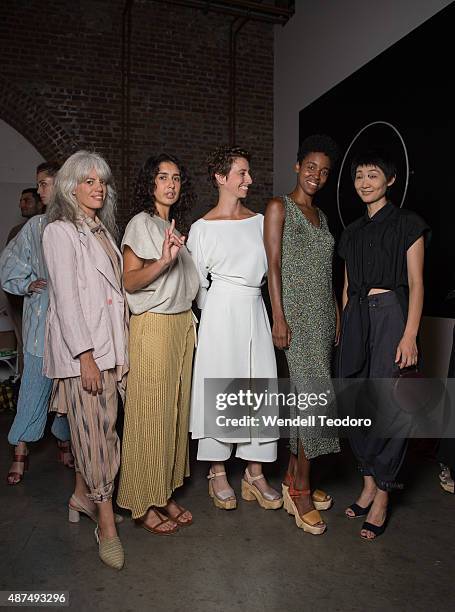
[(220, 286)]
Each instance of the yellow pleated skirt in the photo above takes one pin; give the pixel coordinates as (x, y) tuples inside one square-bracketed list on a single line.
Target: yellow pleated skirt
[(155, 438)]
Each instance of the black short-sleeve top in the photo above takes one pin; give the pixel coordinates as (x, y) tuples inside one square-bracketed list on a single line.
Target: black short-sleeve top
[(375, 248)]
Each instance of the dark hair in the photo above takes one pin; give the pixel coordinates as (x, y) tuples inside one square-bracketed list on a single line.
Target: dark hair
[(50, 168), (374, 157), (319, 143), (145, 186), (221, 160), (34, 193)]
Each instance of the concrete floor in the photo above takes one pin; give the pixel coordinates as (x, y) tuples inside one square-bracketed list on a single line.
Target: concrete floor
[(248, 559)]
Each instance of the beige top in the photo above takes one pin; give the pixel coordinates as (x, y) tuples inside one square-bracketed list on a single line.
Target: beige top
[(174, 290)]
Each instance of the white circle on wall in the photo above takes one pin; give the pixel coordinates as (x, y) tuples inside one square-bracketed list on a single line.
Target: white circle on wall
[(400, 137)]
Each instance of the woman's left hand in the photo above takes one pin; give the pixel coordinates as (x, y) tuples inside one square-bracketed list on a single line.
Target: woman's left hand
[(406, 355)]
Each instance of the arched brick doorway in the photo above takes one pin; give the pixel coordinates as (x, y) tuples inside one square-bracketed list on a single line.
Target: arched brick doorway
[(35, 122)]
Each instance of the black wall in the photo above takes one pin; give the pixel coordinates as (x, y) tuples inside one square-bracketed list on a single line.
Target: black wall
[(410, 85)]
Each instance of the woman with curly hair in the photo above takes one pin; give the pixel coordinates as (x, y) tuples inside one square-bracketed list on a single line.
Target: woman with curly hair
[(161, 282)]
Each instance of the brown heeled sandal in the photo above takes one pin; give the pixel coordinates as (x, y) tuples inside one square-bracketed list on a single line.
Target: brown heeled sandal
[(321, 499), (311, 521), (17, 459)]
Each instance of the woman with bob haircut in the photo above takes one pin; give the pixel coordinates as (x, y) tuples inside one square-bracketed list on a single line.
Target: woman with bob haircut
[(299, 249), (235, 341), (161, 283), (382, 306), (86, 335)]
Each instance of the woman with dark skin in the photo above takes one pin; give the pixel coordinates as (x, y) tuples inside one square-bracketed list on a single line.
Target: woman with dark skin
[(299, 250)]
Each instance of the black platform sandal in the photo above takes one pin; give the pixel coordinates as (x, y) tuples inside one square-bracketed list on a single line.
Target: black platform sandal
[(376, 529), (359, 511)]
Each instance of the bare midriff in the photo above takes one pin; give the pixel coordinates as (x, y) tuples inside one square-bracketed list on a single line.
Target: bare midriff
[(375, 291)]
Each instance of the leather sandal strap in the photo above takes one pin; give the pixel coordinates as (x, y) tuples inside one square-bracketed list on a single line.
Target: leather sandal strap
[(298, 492), (215, 474), (312, 517), (320, 496), (162, 520), (177, 516), (78, 505), (251, 479), (19, 458)]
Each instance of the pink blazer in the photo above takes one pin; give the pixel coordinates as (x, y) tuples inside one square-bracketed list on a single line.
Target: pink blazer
[(86, 305)]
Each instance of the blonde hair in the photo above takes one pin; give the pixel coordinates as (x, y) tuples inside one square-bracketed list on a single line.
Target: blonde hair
[(75, 170)]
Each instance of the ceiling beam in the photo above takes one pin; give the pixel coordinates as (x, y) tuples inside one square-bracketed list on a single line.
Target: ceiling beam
[(256, 11)]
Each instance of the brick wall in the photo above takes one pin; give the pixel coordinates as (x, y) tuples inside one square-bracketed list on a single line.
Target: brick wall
[(60, 84)]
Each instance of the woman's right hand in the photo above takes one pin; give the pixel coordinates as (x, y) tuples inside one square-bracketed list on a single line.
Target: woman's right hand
[(171, 245), (90, 374), (281, 333)]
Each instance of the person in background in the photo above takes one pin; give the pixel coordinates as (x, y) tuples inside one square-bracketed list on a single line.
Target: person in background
[(30, 205), (23, 273), (45, 176)]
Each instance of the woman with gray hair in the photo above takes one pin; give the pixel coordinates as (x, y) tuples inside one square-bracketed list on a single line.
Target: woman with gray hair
[(86, 335)]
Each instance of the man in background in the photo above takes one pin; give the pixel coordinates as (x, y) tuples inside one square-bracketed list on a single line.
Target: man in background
[(30, 204)]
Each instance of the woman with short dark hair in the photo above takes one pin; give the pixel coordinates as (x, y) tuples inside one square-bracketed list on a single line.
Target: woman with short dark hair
[(234, 334), (382, 306)]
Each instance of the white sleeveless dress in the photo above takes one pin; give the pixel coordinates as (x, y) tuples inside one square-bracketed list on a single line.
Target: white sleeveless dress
[(235, 339)]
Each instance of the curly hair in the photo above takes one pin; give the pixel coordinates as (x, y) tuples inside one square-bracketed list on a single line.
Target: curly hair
[(319, 143), (143, 199), (75, 170), (221, 160)]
